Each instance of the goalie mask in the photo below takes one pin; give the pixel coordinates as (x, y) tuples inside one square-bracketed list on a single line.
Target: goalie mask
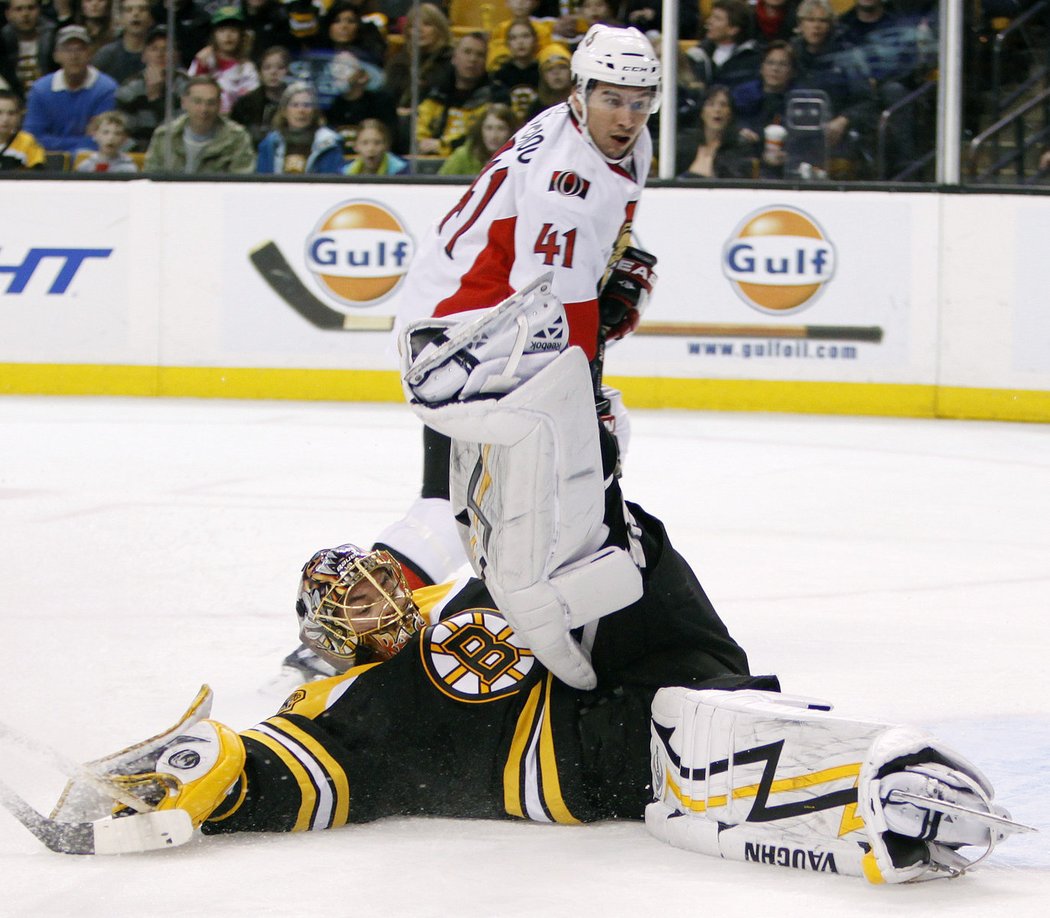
[(355, 607)]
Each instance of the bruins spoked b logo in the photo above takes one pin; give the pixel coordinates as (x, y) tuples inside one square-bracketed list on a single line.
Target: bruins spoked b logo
[(475, 656)]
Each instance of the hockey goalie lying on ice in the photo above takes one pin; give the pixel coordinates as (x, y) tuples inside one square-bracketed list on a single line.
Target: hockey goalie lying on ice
[(605, 686)]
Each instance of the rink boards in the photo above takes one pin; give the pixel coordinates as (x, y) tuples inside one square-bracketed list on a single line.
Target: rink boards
[(917, 304)]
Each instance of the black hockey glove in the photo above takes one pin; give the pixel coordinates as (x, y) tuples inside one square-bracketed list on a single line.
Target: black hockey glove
[(623, 298)]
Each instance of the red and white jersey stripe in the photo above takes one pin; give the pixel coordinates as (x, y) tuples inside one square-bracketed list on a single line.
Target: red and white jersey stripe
[(546, 202)]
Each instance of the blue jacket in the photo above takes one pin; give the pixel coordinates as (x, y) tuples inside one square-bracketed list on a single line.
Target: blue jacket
[(58, 118), (326, 153)]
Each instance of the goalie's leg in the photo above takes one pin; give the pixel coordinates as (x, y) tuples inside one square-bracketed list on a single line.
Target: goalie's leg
[(761, 777), (520, 412)]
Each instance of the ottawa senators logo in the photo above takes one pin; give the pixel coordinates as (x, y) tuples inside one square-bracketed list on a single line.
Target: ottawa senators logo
[(569, 184), (474, 656)]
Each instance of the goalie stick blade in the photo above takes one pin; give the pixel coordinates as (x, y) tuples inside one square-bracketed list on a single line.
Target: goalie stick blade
[(468, 332), (142, 832), (273, 267), (126, 835), (1003, 824)]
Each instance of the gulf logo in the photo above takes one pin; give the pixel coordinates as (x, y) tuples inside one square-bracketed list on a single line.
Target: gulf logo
[(778, 260), (359, 252)]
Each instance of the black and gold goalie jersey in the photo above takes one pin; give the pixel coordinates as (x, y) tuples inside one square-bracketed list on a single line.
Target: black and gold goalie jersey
[(465, 722)]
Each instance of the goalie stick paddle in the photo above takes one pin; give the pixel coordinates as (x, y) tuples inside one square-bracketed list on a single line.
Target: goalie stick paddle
[(123, 835), (278, 274), (1000, 823)]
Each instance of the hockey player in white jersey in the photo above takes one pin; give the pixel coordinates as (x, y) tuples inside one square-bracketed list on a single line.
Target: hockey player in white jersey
[(559, 197)]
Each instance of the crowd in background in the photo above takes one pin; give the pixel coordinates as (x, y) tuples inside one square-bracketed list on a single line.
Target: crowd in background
[(768, 88)]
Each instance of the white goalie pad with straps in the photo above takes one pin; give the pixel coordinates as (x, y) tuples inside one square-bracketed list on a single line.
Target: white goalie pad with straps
[(757, 776), (526, 478)]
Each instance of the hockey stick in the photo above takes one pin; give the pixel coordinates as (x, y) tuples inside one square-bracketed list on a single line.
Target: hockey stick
[(275, 270), (1003, 824), (74, 770), (871, 333), (124, 835)]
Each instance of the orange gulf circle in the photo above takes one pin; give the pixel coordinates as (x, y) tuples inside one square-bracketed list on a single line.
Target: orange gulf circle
[(779, 223), (360, 216)]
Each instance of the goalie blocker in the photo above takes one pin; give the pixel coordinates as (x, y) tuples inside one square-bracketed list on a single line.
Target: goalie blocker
[(757, 776)]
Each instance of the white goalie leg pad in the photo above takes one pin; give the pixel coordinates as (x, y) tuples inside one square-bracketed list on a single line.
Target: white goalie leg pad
[(527, 484), (428, 537), (484, 352), (758, 776)]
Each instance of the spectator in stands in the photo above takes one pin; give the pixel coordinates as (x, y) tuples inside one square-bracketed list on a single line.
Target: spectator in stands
[(647, 15), (300, 143), (372, 146), (62, 103), (256, 109), (433, 34), (267, 23), (141, 98), (336, 54), (889, 44), (8, 80), (519, 77), (449, 112), (761, 102), (343, 30), (192, 27), (226, 58), (202, 140), (775, 20), (122, 58), (97, 17), (555, 80), (727, 55), (357, 103), (304, 23), (713, 149), (489, 133), (28, 43), (18, 149), (60, 12), (825, 62), (110, 133), (547, 30)]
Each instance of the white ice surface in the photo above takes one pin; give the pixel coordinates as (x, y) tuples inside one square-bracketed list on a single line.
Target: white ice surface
[(898, 568)]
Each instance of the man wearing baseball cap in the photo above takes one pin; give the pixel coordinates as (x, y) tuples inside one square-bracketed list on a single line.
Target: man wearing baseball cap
[(62, 103)]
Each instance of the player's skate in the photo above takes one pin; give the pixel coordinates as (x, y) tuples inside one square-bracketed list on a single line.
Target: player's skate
[(761, 777), (445, 359)]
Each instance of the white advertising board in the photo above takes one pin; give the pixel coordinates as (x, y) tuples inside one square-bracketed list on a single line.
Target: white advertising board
[(924, 291)]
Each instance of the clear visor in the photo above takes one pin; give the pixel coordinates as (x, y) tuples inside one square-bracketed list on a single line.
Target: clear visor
[(636, 100)]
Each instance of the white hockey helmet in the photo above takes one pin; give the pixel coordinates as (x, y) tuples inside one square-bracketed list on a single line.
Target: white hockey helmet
[(624, 57), (620, 56)]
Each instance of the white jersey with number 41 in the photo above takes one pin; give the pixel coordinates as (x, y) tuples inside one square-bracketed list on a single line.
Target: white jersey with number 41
[(547, 201)]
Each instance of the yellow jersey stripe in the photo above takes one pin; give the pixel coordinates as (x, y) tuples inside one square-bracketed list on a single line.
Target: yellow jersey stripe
[(307, 792), (552, 796), (330, 765), (512, 796)]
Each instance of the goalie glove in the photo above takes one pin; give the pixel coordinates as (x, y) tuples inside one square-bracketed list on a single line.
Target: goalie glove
[(625, 293)]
